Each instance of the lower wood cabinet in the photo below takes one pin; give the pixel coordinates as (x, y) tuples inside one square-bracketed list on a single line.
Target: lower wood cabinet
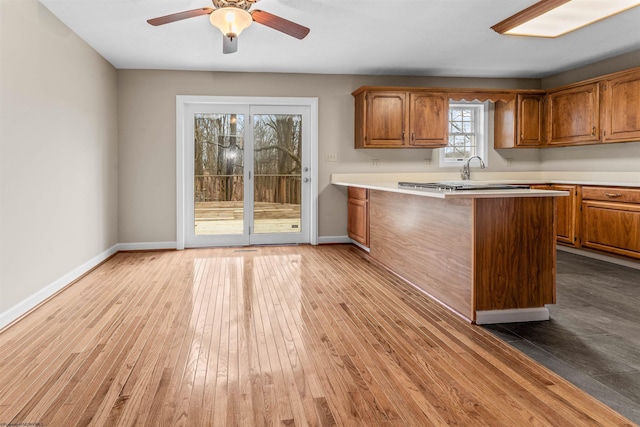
[(611, 220), (566, 213), (605, 219), (358, 215)]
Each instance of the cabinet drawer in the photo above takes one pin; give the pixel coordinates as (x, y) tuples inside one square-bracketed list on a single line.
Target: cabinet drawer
[(357, 193), (611, 194)]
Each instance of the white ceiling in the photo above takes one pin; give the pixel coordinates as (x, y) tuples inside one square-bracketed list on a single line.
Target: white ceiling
[(390, 37)]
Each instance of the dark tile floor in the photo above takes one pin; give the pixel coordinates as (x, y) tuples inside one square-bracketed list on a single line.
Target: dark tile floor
[(593, 337)]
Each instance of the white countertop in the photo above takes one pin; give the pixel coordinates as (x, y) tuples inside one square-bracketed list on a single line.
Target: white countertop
[(616, 179), (389, 182)]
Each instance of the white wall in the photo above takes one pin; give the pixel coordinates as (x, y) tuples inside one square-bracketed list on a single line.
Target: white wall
[(58, 154), (146, 115), (620, 157)]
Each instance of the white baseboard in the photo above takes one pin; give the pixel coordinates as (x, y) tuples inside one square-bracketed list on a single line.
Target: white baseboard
[(146, 246), (23, 307), (363, 247), (512, 315), (327, 240)]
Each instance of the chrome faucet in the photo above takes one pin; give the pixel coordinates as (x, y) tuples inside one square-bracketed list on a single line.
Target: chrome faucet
[(465, 172)]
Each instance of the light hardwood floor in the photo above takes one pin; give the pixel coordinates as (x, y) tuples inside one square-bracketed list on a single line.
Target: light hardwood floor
[(292, 335)]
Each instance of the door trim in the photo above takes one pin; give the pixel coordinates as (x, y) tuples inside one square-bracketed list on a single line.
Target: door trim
[(183, 100)]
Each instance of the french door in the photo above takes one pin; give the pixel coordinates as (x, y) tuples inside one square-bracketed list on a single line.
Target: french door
[(247, 174)]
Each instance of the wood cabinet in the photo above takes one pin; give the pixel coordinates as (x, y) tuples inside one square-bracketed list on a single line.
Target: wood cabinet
[(400, 118), (599, 110), (381, 119), (611, 220), (520, 122), (358, 215), (620, 111), (606, 219), (574, 115), (428, 119), (566, 213)]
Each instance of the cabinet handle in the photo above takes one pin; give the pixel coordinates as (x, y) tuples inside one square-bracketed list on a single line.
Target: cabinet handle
[(593, 131), (413, 136), (613, 195), (403, 135)]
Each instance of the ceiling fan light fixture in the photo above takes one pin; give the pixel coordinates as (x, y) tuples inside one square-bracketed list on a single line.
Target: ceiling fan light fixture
[(231, 21), (553, 18)]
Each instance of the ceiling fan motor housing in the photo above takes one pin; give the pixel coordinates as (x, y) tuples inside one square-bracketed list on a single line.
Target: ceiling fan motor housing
[(241, 4)]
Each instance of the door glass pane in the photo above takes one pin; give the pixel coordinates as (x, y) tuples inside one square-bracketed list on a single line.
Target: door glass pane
[(277, 169), (218, 174)]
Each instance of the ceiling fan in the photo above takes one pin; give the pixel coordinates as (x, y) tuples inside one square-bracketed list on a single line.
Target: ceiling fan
[(231, 17)]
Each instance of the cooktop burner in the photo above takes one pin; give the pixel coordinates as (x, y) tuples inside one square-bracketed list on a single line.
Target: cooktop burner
[(458, 186)]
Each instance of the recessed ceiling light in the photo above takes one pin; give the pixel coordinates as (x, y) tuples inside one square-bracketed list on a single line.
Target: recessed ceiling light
[(553, 18)]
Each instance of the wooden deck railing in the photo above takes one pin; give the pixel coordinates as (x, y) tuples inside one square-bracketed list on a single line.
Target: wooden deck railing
[(271, 188)]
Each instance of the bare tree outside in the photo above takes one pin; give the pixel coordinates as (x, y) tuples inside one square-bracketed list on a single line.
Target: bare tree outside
[(219, 172), (277, 158)]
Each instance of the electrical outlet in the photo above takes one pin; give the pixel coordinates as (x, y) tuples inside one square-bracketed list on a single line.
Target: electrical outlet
[(427, 162), (331, 157), (375, 163)]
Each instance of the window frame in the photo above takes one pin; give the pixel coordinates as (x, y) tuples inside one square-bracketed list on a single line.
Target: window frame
[(482, 137)]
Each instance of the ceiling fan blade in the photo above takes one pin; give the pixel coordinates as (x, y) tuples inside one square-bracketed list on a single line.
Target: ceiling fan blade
[(280, 24), (229, 44), (180, 16)]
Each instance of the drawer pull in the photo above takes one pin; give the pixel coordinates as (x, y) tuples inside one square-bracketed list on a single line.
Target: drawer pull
[(613, 195)]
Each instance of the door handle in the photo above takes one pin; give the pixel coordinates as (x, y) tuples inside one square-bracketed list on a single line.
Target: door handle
[(306, 179)]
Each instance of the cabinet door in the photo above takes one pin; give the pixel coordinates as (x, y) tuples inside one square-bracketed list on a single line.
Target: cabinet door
[(566, 208), (611, 227), (358, 215), (574, 115), (621, 108), (428, 119), (386, 120), (530, 121)]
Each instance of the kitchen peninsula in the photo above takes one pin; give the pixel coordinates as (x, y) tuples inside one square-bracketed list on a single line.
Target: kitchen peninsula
[(488, 255)]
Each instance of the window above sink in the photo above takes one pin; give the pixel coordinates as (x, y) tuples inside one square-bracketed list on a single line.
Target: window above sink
[(468, 135)]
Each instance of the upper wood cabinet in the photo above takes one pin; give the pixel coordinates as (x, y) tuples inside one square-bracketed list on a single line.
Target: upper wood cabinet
[(381, 119), (400, 118), (530, 124), (620, 112), (520, 122), (574, 115), (428, 119), (600, 110)]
